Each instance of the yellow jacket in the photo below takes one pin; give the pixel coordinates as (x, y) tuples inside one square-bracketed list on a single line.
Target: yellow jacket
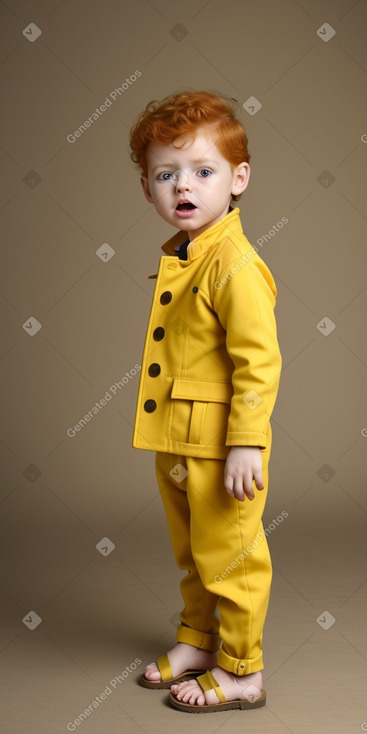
[(211, 363)]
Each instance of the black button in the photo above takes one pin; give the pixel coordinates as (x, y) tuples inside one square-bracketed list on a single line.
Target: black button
[(158, 333), (154, 369), (150, 405), (195, 289), (166, 297)]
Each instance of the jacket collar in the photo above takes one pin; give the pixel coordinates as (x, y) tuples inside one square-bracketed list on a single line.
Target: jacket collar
[(200, 244), (230, 224)]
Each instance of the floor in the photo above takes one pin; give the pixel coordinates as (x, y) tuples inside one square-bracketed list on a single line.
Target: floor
[(120, 612)]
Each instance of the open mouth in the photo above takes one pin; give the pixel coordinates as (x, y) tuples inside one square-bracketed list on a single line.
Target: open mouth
[(186, 205)]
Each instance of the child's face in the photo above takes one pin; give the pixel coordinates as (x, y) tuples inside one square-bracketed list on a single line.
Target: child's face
[(196, 172)]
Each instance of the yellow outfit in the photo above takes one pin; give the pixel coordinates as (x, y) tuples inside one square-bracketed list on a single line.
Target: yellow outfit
[(209, 380)]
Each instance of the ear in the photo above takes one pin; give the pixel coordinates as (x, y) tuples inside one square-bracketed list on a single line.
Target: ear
[(145, 184), (241, 177)]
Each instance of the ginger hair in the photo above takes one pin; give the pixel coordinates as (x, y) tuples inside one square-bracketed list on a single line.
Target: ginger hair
[(184, 113)]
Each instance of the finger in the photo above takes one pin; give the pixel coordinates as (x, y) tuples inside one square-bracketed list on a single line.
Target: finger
[(258, 477), (249, 491), (228, 484), (238, 489)]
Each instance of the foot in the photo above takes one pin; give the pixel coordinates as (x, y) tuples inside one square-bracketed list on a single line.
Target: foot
[(184, 657), (234, 686)]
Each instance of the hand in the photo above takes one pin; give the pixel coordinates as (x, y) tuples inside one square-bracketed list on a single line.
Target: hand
[(243, 464)]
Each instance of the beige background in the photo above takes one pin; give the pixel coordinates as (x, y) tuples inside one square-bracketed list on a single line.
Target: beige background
[(62, 495)]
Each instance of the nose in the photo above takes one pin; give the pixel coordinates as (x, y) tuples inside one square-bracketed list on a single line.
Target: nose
[(181, 181)]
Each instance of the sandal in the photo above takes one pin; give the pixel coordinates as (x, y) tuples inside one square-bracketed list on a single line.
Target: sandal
[(207, 682), (167, 678)]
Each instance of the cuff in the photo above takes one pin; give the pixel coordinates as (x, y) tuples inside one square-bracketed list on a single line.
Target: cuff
[(197, 638), (239, 666)]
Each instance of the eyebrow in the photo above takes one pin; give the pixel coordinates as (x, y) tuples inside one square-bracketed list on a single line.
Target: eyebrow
[(171, 165)]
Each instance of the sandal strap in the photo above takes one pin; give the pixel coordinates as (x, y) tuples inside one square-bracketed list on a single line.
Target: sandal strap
[(207, 682), (164, 668)]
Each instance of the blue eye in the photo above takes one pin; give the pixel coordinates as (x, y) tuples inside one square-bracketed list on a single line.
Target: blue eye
[(207, 170), (166, 173)]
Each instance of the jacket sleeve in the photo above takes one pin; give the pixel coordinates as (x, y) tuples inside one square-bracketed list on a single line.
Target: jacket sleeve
[(244, 301)]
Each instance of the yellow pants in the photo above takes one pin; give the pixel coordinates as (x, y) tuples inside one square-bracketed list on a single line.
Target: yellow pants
[(221, 543)]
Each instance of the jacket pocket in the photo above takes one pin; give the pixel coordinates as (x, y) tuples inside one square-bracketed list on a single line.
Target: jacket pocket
[(200, 410)]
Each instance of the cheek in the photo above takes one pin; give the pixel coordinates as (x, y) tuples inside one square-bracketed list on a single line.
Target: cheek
[(160, 194)]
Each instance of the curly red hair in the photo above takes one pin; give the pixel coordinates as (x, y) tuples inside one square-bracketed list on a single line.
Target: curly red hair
[(185, 112)]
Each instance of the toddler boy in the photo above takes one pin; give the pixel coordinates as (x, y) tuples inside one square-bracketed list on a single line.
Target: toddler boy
[(209, 380)]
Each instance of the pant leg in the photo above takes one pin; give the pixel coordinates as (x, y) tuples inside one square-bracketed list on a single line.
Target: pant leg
[(232, 558), (199, 625)]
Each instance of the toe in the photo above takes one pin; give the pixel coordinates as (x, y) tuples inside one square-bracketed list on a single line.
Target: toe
[(211, 697), (187, 696), (151, 672), (182, 690), (182, 687), (191, 693)]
